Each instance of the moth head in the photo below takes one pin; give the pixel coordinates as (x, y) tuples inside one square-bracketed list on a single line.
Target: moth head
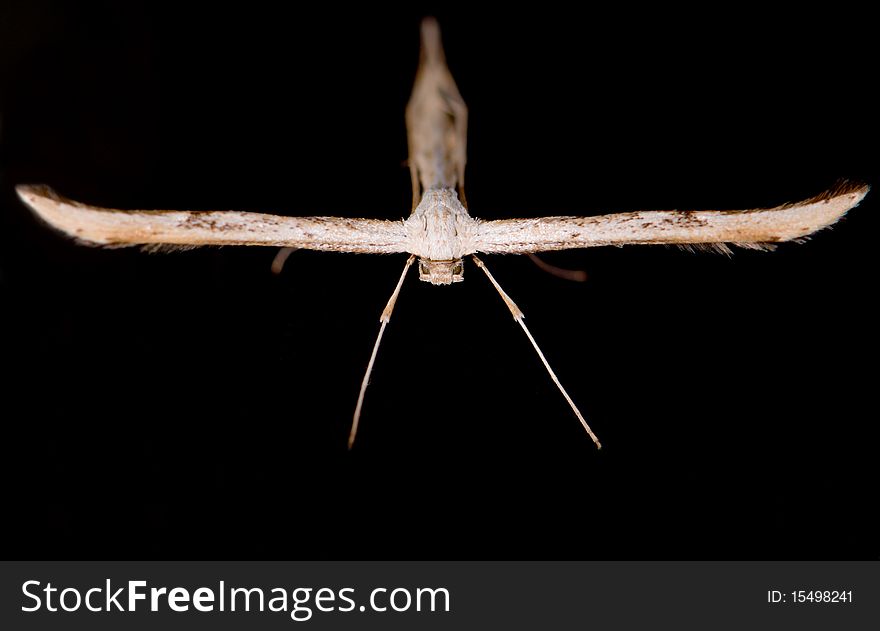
[(441, 272)]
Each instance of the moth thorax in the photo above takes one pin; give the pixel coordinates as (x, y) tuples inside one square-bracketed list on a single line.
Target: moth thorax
[(441, 272)]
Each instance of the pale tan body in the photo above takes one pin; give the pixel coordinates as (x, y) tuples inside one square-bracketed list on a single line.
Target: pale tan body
[(440, 231)]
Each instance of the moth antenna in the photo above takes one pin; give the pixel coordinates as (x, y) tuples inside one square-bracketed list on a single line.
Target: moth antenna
[(576, 275), (519, 317), (384, 318), (281, 258)]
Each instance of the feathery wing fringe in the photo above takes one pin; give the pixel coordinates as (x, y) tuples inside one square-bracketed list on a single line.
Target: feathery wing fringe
[(159, 229), (712, 229)]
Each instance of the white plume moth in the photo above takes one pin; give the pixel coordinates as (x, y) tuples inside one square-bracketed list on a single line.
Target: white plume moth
[(440, 232)]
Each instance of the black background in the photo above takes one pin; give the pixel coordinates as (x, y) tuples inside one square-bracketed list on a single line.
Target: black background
[(193, 405)]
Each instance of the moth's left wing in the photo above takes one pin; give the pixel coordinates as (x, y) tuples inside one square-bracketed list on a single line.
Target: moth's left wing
[(756, 228), (115, 228)]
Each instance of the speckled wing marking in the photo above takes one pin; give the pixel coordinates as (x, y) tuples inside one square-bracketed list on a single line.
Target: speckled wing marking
[(111, 227), (758, 228)]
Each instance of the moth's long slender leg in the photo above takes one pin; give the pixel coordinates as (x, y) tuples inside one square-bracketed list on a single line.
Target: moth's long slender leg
[(461, 196), (416, 186), (576, 275), (519, 317), (384, 319), (281, 258)]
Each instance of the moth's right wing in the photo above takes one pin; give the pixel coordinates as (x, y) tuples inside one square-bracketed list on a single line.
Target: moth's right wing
[(111, 227), (756, 228)]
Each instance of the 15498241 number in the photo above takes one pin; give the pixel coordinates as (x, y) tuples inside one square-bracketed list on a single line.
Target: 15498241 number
[(821, 596)]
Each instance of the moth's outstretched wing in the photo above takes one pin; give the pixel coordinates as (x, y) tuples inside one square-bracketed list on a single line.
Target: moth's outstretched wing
[(758, 228), (110, 227)]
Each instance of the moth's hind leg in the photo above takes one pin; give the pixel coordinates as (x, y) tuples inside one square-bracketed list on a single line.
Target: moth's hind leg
[(416, 187), (576, 275), (281, 258), (461, 196), (411, 160), (459, 112)]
